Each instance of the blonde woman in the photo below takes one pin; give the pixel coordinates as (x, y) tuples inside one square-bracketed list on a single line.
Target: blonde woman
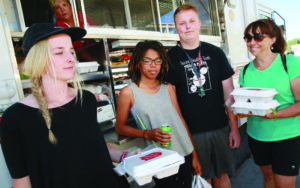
[(51, 138)]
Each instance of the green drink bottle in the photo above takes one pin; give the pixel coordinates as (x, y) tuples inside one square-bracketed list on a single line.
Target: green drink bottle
[(166, 128)]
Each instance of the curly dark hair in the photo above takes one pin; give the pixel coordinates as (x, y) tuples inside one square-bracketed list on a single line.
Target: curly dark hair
[(269, 27), (138, 54)]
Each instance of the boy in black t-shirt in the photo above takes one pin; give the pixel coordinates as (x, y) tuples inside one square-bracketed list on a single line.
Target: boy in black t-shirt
[(202, 78)]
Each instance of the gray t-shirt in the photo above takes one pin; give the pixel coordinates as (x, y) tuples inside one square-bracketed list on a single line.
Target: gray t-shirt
[(157, 109)]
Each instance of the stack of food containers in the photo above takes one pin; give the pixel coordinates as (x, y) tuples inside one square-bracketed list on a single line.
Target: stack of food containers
[(258, 101), (156, 162)]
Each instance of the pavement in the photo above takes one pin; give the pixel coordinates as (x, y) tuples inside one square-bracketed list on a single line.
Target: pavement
[(249, 176)]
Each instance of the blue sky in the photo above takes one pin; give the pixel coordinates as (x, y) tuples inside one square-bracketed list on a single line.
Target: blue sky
[(290, 11)]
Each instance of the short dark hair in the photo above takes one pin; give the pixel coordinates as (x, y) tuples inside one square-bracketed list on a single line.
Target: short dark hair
[(269, 27), (138, 54)]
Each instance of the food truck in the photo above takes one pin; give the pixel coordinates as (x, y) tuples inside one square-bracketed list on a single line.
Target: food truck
[(117, 27)]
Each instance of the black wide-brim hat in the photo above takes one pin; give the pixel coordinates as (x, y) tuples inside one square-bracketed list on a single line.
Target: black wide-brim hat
[(40, 31)]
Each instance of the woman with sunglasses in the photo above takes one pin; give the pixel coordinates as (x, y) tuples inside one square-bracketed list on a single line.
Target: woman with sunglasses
[(274, 139), (153, 103)]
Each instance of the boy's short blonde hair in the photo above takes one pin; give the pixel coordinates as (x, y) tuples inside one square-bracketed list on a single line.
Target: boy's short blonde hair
[(188, 6)]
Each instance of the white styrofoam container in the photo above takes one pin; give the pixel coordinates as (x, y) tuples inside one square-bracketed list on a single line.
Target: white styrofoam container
[(257, 95), (259, 109), (160, 166), (84, 67), (105, 113)]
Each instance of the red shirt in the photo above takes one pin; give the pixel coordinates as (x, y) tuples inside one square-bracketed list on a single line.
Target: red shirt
[(80, 20)]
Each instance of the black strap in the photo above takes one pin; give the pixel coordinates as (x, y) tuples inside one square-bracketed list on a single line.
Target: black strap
[(283, 60), (194, 68), (201, 92), (244, 71)]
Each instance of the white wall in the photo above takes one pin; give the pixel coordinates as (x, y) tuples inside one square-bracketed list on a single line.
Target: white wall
[(9, 92)]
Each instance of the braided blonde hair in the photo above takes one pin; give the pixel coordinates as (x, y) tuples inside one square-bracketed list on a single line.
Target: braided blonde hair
[(36, 63)]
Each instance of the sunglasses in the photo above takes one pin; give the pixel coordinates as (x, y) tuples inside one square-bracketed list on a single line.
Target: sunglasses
[(258, 37)]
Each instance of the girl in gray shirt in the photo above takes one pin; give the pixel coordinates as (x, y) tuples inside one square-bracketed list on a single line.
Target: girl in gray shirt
[(154, 101)]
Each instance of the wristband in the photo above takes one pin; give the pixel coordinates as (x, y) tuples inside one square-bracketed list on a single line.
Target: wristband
[(144, 134), (123, 156)]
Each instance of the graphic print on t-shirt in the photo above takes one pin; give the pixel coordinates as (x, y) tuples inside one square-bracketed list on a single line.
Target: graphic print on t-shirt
[(193, 83)]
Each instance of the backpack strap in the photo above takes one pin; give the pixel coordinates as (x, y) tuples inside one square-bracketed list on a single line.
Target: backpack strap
[(245, 68), (283, 60)]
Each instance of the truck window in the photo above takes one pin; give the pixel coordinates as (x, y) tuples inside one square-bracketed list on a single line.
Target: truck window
[(36, 11), (208, 14)]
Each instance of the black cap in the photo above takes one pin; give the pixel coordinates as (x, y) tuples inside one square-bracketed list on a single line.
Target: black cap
[(40, 31)]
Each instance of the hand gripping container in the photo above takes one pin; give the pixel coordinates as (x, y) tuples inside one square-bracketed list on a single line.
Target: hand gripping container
[(257, 95), (156, 162)]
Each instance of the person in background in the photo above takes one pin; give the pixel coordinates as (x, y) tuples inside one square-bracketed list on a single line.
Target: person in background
[(64, 14), (274, 139), (202, 77), (154, 102), (84, 48), (51, 138)]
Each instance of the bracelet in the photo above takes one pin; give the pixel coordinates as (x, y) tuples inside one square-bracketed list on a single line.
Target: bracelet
[(123, 156), (144, 134)]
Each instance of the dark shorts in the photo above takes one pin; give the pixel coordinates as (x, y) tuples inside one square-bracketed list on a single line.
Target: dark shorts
[(183, 179), (283, 155), (214, 153), (122, 181)]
